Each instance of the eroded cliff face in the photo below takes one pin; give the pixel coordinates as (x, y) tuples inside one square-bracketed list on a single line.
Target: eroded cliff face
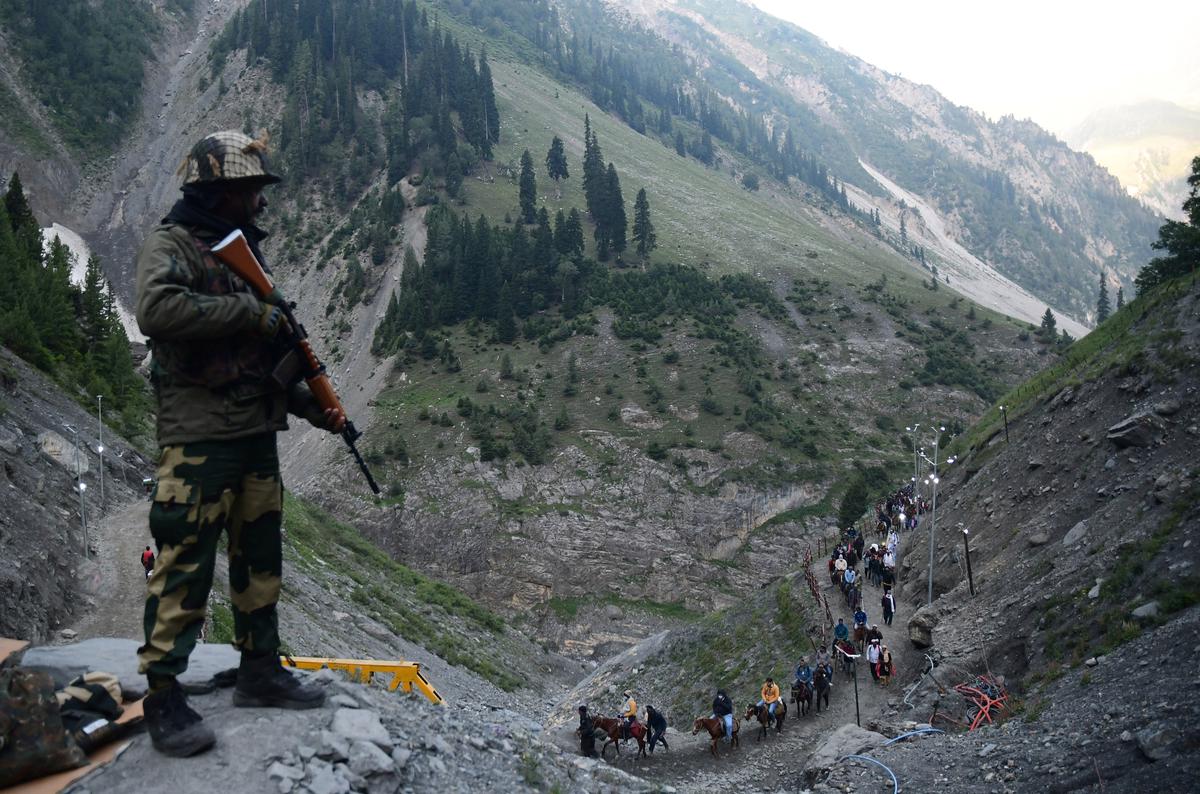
[(596, 550)]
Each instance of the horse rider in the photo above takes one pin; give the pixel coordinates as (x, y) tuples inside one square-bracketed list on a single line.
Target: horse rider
[(723, 710), (848, 578), (770, 697), (658, 728), (841, 631), (629, 713), (587, 733), (860, 619), (804, 673), (839, 568)]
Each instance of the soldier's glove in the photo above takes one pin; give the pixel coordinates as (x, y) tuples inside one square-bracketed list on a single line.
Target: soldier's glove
[(271, 320), (275, 298)]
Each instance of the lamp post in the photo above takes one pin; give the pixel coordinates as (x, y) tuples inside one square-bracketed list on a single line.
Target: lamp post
[(916, 475), (81, 486), (1004, 413), (853, 657), (100, 444), (933, 481), (967, 549)]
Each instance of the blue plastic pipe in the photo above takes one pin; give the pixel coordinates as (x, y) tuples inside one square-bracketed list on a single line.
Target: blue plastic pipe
[(913, 733), (895, 783)]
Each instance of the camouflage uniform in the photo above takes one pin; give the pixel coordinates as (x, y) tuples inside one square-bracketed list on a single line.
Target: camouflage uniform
[(218, 412)]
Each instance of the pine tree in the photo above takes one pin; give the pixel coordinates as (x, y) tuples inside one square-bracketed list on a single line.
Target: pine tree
[(1120, 298), (593, 171), (528, 189), (491, 115), (1049, 327), (556, 164), (570, 240), (615, 218), (680, 146), (903, 230), (643, 229), (1103, 309), (20, 216)]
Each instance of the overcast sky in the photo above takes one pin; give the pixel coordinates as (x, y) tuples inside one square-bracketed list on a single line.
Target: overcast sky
[(1053, 61)]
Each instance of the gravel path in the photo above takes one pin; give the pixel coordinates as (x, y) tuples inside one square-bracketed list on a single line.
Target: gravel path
[(118, 586)]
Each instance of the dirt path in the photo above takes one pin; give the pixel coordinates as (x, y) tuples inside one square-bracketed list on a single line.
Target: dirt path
[(776, 763), (118, 587)]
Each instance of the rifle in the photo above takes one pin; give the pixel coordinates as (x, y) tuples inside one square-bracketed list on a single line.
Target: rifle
[(235, 253)]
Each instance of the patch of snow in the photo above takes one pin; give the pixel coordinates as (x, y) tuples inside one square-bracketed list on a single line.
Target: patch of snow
[(80, 253)]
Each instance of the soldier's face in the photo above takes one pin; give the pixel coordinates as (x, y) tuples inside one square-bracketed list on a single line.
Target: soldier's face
[(242, 206)]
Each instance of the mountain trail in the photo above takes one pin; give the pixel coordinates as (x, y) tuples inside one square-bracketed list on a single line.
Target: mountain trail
[(117, 587), (776, 763)]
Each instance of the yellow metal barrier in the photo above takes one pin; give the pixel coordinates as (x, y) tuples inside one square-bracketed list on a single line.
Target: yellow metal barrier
[(404, 674)]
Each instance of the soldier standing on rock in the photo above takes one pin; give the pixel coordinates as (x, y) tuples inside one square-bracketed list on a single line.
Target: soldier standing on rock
[(216, 347)]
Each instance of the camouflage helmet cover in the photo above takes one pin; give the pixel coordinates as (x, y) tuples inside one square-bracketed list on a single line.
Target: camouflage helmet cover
[(227, 156)]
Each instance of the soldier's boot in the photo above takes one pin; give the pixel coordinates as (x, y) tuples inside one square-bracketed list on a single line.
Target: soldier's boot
[(175, 729), (262, 681)]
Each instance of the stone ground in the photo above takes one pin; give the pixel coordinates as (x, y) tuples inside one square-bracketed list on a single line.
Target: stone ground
[(1130, 723)]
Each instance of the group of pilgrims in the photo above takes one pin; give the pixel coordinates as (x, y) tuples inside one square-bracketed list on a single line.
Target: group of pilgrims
[(900, 511)]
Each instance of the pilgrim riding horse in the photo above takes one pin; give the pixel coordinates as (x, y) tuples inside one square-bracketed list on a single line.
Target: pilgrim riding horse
[(802, 696), (763, 715), (716, 729), (612, 727)]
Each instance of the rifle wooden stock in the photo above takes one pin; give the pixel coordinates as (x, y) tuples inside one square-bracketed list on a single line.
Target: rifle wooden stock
[(234, 252)]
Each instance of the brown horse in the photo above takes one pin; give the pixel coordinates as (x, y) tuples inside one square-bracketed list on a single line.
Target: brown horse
[(763, 715), (802, 696), (612, 727), (860, 637), (716, 729)]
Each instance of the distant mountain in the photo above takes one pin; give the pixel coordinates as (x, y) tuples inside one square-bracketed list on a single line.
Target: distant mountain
[(1149, 146), (1014, 195)]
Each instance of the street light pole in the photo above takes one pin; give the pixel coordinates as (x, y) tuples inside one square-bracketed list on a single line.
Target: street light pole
[(82, 486), (853, 658), (100, 444), (916, 474), (933, 517), (967, 548)]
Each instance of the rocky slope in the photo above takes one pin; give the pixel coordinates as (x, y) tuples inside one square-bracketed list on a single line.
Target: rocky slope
[(1084, 552), (42, 562)]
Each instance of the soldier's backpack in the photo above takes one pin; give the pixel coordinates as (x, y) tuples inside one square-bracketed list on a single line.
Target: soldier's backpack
[(33, 741)]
